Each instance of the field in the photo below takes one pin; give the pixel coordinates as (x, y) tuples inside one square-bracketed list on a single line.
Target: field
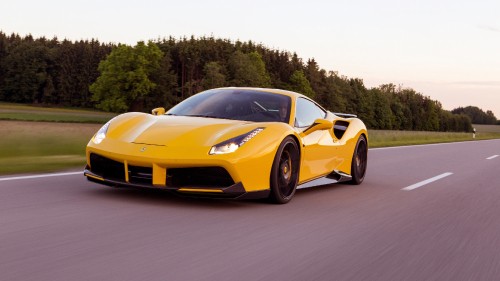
[(42, 146), (384, 138), (57, 145), (9, 111), (487, 128)]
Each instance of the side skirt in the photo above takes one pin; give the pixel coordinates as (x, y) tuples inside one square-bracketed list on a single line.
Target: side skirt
[(333, 177)]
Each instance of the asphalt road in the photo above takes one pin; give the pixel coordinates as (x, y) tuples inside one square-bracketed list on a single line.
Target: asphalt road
[(65, 228)]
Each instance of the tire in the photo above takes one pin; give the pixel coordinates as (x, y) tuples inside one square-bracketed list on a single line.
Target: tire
[(285, 171), (359, 161)]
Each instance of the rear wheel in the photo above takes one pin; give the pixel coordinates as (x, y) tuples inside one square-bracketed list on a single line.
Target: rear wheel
[(359, 161), (285, 171)]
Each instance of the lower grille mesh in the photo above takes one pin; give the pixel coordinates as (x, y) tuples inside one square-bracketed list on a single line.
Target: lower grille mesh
[(140, 175), (199, 177), (206, 177), (107, 168)]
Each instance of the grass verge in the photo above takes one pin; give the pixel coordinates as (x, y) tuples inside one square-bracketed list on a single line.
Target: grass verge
[(383, 138), (19, 112), (42, 146)]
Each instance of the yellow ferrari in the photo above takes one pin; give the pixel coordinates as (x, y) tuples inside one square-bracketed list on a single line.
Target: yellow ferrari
[(231, 143)]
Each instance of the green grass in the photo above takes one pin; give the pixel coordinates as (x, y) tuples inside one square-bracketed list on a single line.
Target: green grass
[(384, 138), (42, 146), (29, 164), (9, 111), (50, 142)]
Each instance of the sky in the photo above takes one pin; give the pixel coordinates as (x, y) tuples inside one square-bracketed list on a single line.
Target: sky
[(447, 50)]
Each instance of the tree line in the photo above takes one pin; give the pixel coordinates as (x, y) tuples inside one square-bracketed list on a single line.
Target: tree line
[(477, 115), (122, 78)]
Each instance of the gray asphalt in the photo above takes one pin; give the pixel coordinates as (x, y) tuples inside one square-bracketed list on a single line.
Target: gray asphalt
[(66, 228)]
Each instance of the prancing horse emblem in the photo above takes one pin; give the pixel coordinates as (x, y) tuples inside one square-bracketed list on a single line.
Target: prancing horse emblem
[(143, 149)]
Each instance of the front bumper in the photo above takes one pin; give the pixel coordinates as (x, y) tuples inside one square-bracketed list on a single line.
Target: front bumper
[(185, 170), (233, 191)]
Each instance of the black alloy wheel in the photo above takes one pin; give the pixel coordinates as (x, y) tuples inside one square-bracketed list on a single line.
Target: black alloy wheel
[(359, 161), (285, 171)]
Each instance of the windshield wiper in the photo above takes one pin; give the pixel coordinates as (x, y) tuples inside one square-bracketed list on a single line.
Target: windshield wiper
[(205, 116)]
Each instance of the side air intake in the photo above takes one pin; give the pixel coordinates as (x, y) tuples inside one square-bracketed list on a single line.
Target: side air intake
[(339, 128)]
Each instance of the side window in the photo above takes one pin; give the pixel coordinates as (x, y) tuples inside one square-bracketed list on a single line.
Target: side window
[(306, 112)]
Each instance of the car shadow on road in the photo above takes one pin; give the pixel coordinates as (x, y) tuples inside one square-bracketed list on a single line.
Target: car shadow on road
[(162, 197), (159, 197)]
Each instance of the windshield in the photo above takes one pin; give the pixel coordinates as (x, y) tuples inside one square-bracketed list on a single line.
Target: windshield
[(236, 104)]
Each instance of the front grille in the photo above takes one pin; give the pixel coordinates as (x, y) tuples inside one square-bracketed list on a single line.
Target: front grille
[(107, 168), (140, 175), (199, 177)]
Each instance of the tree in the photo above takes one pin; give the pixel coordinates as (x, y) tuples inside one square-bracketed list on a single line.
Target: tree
[(382, 111), (214, 76), (248, 70), (300, 84), (477, 115), (164, 94), (26, 72), (335, 99), (3, 54), (125, 77), (361, 102)]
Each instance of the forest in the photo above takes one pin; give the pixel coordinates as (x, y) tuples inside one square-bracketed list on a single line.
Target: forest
[(119, 78)]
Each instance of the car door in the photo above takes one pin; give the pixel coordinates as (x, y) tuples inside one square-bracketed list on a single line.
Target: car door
[(318, 151)]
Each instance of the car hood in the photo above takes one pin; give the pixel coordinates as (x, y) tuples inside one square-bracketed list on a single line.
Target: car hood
[(180, 131)]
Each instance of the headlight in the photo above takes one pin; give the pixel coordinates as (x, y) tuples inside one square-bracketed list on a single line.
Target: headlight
[(233, 144), (101, 134)]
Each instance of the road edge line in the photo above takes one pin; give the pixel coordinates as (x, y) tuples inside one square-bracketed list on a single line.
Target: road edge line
[(41, 176)]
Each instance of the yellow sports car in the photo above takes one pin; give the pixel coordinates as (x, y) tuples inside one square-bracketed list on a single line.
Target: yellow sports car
[(231, 143)]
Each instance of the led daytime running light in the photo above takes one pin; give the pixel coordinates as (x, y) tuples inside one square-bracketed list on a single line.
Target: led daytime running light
[(251, 135), (233, 144)]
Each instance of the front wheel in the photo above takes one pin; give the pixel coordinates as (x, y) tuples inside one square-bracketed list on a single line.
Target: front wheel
[(285, 171), (359, 161)]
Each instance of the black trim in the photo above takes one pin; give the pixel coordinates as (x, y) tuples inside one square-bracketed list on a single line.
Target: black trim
[(339, 128), (140, 175), (206, 177), (235, 191), (106, 168), (255, 195)]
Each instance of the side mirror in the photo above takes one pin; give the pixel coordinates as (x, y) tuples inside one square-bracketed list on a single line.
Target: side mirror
[(319, 124), (158, 111)]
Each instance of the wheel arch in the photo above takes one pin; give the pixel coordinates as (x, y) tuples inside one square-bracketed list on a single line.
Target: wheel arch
[(299, 144), (278, 180)]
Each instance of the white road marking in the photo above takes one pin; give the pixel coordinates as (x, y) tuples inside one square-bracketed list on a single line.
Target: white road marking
[(422, 183), (494, 156), (41, 176)]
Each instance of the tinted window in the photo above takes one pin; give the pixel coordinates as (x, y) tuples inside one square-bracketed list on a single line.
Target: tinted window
[(307, 112), (237, 104)]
